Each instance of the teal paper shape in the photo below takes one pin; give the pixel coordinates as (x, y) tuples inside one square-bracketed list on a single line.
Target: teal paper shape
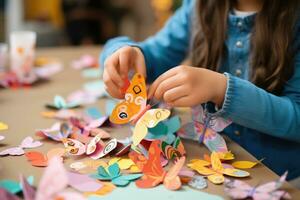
[(114, 175), (93, 112), (165, 130), (91, 73), (109, 106), (14, 186), (60, 103)]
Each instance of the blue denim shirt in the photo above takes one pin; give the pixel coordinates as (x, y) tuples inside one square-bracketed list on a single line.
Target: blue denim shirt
[(266, 125)]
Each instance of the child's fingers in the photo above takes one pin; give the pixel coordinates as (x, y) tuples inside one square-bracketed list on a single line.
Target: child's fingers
[(175, 93), (160, 79), (181, 102), (166, 85), (113, 90), (140, 65), (125, 60), (114, 74)]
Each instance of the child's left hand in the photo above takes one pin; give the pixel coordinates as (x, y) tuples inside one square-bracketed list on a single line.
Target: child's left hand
[(186, 86)]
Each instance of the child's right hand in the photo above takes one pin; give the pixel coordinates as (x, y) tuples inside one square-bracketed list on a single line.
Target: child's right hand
[(117, 66)]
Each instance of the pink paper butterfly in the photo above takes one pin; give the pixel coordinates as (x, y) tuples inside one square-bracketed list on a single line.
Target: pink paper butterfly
[(88, 127), (237, 189), (52, 185), (56, 132), (205, 128), (27, 143)]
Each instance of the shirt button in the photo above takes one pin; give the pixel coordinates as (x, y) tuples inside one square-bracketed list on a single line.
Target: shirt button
[(237, 133), (240, 24), (239, 44), (238, 72)]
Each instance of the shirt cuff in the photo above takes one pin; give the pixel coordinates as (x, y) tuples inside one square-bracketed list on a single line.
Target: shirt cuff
[(226, 108)]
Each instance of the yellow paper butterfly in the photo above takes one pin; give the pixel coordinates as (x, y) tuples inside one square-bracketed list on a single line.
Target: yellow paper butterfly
[(135, 109), (215, 173)]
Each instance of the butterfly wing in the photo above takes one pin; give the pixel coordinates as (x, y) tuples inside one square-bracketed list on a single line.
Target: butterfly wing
[(14, 151), (216, 178), (53, 181), (74, 147), (235, 172), (172, 180), (29, 142), (36, 158), (216, 163), (135, 101), (188, 131), (175, 151), (152, 170), (149, 120), (272, 186), (219, 124), (237, 189), (139, 159), (28, 190), (214, 141), (198, 114)]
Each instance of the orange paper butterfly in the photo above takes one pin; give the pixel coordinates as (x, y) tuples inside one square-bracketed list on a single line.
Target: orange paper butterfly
[(135, 109), (154, 174)]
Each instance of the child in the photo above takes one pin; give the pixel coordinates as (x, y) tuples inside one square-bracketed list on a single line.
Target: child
[(245, 58)]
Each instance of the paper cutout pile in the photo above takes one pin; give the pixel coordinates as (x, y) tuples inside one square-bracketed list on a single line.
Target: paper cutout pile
[(155, 155), (10, 79)]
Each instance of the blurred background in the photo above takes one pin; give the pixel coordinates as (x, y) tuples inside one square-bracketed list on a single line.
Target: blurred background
[(84, 22)]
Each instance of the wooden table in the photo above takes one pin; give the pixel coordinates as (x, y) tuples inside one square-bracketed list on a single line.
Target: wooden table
[(21, 109)]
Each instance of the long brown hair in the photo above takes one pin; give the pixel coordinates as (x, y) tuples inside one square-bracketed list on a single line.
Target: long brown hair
[(272, 54)]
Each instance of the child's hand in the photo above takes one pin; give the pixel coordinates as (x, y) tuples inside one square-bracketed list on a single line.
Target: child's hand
[(189, 86), (116, 68)]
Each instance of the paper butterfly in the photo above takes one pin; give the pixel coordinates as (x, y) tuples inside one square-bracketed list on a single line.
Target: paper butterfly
[(27, 143), (60, 103), (165, 130), (52, 185), (175, 151), (114, 175), (198, 182), (240, 190), (205, 128), (56, 132), (38, 159), (135, 109), (95, 148), (215, 173), (89, 128), (154, 174)]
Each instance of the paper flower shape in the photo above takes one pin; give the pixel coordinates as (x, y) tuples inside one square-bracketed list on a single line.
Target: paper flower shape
[(114, 175)]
